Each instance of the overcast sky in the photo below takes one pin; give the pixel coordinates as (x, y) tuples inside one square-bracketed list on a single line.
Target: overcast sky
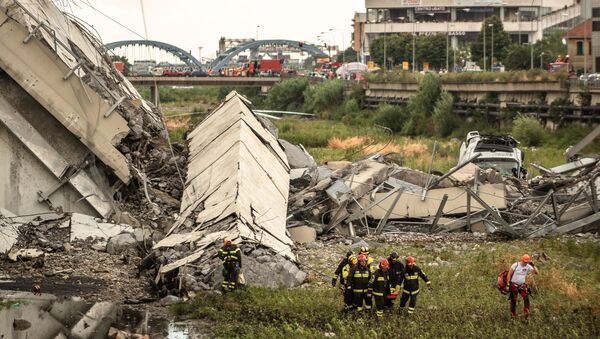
[(192, 23)]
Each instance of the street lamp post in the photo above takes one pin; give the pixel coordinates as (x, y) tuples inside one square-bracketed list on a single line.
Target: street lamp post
[(492, 58), (447, 45), (484, 56), (257, 27), (384, 45), (413, 45)]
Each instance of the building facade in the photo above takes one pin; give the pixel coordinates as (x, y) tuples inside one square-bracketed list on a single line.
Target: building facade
[(595, 17), (461, 20), (579, 46)]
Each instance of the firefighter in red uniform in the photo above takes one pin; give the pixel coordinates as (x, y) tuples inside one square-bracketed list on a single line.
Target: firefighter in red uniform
[(359, 278), (410, 289), (517, 286), (379, 286)]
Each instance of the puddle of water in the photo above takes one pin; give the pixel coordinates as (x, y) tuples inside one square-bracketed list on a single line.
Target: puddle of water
[(178, 331)]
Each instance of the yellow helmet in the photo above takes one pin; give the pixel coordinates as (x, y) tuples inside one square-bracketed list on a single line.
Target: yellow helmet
[(353, 260)]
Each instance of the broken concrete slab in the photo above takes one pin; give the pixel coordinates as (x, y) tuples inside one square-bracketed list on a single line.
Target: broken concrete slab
[(575, 226), (9, 231), (24, 254), (85, 226), (339, 192), (411, 205), (419, 178), (121, 243), (573, 166), (303, 234), (297, 157)]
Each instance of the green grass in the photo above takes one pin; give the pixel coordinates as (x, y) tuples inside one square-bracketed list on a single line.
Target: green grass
[(462, 304)]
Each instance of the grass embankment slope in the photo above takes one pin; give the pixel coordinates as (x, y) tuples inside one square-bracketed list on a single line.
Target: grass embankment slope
[(463, 302)]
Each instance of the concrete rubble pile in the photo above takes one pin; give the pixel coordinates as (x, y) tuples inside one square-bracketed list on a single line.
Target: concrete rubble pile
[(79, 138), (236, 188), (376, 196)]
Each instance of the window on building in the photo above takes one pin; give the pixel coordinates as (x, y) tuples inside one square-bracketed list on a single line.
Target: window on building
[(589, 48), (596, 12), (579, 48), (596, 26)]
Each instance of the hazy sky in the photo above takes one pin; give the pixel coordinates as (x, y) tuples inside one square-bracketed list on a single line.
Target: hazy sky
[(192, 23)]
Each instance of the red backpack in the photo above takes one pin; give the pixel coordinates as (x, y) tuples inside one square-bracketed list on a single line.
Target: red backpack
[(502, 282)]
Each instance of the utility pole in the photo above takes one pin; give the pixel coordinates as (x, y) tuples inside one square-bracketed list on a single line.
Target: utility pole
[(384, 45), (447, 45)]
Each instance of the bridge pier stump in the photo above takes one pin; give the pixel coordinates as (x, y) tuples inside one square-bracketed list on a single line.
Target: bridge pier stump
[(154, 95)]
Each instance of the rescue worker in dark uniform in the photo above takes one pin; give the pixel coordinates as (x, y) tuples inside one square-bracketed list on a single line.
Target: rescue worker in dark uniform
[(232, 263), (396, 268), (365, 251), (338, 270), (359, 279), (348, 293), (410, 289), (379, 286)]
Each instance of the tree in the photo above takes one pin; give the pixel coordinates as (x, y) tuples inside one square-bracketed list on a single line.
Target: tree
[(501, 41), (309, 63), (421, 106), (431, 49), (444, 119), (349, 55), (518, 57), (124, 60)]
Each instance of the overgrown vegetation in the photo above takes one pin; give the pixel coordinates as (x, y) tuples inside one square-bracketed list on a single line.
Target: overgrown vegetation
[(528, 131), (462, 304)]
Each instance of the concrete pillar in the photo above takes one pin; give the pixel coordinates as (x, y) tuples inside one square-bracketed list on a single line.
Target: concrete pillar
[(154, 94), (502, 14), (453, 14), (454, 42)]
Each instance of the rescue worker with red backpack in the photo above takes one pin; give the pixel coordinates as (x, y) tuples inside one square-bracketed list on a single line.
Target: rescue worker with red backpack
[(396, 268), (379, 286), (359, 279), (516, 284), (410, 288)]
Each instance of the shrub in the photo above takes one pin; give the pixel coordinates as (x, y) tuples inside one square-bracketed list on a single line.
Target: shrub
[(323, 97), (392, 117), (444, 120), (288, 94), (528, 130)]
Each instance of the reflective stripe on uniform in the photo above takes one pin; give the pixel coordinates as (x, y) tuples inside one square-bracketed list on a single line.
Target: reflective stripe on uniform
[(359, 275), (410, 292), (379, 313), (360, 291), (381, 279), (379, 294), (411, 277), (411, 310)]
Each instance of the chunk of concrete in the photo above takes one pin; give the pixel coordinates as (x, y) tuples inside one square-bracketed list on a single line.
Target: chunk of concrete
[(339, 192), (25, 254), (297, 157), (9, 231), (85, 226), (303, 234), (120, 243)]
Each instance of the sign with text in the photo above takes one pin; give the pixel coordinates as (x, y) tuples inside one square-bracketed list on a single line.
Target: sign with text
[(438, 9), (411, 3), (405, 65)]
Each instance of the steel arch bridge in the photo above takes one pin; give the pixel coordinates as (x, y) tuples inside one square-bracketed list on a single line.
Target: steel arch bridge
[(184, 56), (223, 60)]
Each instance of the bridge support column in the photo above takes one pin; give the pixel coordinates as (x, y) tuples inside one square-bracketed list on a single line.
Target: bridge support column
[(154, 94)]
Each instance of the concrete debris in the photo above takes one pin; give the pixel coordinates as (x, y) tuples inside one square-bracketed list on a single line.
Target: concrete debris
[(8, 231), (303, 234), (121, 243), (85, 227), (297, 156), (24, 254), (237, 187)]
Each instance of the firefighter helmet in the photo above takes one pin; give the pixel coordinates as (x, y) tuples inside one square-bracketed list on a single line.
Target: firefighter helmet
[(410, 260), (525, 258), (394, 255), (362, 258), (348, 254), (352, 259), (364, 250), (384, 263), (226, 241)]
